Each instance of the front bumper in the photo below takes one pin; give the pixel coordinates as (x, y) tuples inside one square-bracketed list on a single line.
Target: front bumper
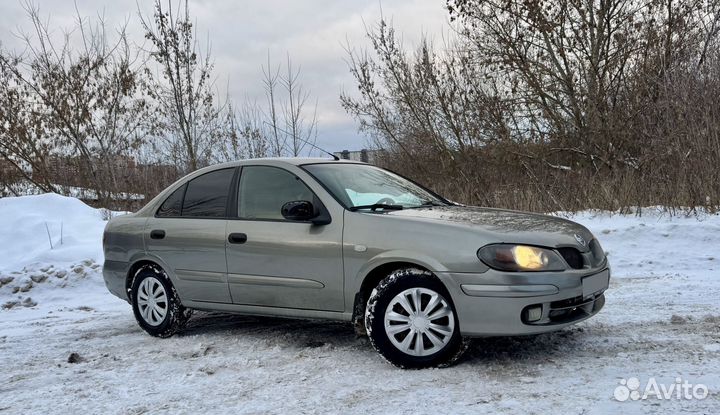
[(497, 303)]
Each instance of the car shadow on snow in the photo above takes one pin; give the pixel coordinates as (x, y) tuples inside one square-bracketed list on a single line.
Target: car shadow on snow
[(545, 346), (284, 332), (295, 333)]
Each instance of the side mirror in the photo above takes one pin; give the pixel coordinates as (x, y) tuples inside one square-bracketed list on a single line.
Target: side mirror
[(302, 210), (298, 210)]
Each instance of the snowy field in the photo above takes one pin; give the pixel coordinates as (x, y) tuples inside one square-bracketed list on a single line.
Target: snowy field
[(68, 346)]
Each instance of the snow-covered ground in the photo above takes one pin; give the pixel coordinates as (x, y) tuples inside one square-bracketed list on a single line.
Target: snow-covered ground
[(661, 320)]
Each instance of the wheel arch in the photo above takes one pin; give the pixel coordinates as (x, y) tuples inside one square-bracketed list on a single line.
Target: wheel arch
[(372, 277), (377, 274), (132, 271), (389, 261)]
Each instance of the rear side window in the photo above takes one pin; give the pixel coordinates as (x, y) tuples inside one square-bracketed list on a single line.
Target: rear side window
[(207, 195), (172, 206), (264, 190)]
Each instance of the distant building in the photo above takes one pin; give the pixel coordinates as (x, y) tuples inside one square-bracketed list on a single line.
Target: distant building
[(364, 155)]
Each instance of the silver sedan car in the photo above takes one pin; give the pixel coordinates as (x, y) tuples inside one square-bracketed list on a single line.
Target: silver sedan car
[(339, 240)]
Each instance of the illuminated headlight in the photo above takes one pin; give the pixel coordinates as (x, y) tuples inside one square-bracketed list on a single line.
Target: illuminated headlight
[(520, 258)]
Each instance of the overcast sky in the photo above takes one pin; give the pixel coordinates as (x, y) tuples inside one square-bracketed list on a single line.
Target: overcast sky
[(242, 33)]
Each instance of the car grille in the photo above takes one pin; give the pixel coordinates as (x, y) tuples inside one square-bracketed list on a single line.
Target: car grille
[(567, 310), (593, 258), (572, 256), (571, 309), (567, 303)]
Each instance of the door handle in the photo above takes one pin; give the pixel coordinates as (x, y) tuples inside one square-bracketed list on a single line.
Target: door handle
[(157, 234), (237, 238)]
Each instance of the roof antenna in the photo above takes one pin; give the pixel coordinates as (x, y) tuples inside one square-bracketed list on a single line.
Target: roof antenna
[(336, 158)]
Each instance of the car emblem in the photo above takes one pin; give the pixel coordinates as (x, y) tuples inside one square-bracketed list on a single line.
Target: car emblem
[(580, 239)]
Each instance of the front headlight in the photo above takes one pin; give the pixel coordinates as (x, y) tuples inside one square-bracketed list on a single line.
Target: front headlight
[(520, 258)]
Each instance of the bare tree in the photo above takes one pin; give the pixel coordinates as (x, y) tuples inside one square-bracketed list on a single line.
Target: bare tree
[(570, 65), (190, 118), (270, 82), (545, 105), (301, 130), (290, 125), (246, 135), (427, 106), (84, 106)]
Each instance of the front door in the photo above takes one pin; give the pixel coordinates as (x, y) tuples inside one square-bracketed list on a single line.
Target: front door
[(188, 233), (276, 262)]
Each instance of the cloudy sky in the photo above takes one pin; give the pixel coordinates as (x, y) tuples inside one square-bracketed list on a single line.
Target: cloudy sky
[(242, 34)]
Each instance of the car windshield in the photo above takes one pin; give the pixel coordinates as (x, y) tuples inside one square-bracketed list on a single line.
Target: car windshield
[(361, 186)]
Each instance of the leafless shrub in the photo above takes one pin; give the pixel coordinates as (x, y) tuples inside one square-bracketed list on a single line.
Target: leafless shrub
[(284, 126), (93, 116), (82, 103), (552, 105)]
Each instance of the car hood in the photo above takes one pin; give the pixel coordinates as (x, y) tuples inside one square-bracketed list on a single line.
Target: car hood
[(507, 226)]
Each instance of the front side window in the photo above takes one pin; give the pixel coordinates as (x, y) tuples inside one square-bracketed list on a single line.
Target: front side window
[(361, 185), (264, 190), (207, 195)]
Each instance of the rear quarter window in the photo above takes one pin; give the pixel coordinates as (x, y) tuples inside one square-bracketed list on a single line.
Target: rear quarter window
[(172, 206)]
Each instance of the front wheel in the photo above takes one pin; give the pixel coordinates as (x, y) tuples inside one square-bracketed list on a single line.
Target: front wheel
[(156, 304), (411, 321)]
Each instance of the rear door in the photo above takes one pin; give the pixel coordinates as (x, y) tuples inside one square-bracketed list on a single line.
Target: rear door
[(277, 262), (188, 234)]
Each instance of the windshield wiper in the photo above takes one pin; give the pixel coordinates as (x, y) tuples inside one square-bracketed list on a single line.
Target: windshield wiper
[(431, 203), (427, 203), (376, 206)]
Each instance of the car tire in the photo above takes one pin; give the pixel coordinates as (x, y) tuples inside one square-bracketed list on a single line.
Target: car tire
[(409, 336), (155, 303)]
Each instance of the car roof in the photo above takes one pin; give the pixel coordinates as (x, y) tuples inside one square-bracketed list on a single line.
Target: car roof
[(295, 161)]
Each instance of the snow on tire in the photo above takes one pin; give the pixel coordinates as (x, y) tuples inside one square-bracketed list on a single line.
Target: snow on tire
[(411, 321), (155, 303)]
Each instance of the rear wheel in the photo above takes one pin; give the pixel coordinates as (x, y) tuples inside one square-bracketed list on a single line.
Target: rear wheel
[(156, 304), (411, 321)]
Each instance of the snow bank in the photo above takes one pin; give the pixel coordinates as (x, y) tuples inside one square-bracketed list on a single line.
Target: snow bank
[(48, 242), (48, 228), (656, 243)]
